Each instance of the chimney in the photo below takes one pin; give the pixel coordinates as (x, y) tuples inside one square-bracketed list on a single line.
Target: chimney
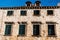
[(37, 3), (28, 3)]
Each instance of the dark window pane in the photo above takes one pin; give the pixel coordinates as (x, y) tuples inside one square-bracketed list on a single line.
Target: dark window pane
[(9, 13), (36, 12), (35, 29), (23, 13), (8, 30), (50, 12), (28, 4), (21, 29), (51, 30)]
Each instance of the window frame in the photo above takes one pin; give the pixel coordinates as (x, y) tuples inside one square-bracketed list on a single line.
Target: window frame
[(36, 30), (23, 23), (34, 13), (8, 13), (23, 14), (10, 30), (48, 14), (54, 30), (37, 23)]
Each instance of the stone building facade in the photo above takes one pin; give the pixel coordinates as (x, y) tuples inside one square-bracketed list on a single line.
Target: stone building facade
[(30, 22)]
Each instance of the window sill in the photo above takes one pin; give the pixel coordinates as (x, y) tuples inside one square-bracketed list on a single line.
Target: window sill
[(50, 15), (51, 36), (10, 15), (7, 35), (36, 15), (23, 15), (36, 35), (21, 35)]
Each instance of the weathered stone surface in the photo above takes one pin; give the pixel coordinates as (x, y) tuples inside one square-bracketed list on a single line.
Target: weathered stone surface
[(29, 29)]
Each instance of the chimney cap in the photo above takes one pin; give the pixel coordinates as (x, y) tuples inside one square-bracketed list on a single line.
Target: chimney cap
[(37, 2), (28, 2)]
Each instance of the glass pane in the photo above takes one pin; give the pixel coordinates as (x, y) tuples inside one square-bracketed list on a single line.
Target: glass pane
[(35, 29), (21, 29), (51, 30), (23, 12), (50, 12), (8, 30), (10, 13), (36, 12)]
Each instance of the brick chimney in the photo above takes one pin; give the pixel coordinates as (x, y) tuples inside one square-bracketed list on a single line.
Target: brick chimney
[(28, 3), (37, 3)]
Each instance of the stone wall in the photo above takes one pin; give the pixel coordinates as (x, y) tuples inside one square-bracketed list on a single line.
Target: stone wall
[(29, 18)]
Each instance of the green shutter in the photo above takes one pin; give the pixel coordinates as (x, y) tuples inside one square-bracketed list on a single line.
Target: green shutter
[(21, 29), (8, 30), (51, 30), (35, 29)]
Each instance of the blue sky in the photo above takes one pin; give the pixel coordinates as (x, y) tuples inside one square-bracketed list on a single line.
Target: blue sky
[(10, 3)]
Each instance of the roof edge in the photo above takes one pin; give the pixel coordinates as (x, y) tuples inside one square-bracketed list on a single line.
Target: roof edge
[(32, 7)]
